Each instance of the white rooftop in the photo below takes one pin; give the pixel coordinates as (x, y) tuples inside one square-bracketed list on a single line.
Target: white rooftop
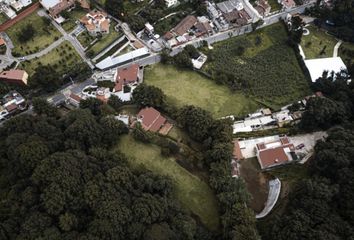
[(112, 62), (317, 66), (49, 3)]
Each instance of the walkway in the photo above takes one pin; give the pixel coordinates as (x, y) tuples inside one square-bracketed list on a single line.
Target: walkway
[(273, 195), (336, 47)]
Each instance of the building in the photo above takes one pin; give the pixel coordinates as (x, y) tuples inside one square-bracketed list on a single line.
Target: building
[(275, 153), (238, 17), (287, 4), (55, 7), (237, 153), (126, 76), (151, 119), (262, 7), (317, 66), (110, 62), (229, 6), (283, 117), (149, 29), (10, 104), (74, 100), (170, 3), (14, 76), (185, 25), (96, 22)]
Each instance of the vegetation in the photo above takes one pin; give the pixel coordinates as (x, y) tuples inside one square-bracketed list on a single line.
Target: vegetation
[(32, 34), (184, 87), (346, 52), (105, 40), (261, 64), (71, 17), (321, 206), (275, 6), (85, 39), (193, 193), (317, 44)]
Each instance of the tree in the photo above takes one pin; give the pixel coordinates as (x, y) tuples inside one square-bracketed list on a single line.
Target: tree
[(93, 104), (26, 33), (115, 8), (192, 51), (183, 60), (42, 106), (46, 77), (115, 102), (136, 22), (112, 129), (149, 96)]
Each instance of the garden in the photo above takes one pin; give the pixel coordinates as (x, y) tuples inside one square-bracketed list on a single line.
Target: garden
[(346, 52), (62, 58), (32, 34), (317, 44), (71, 17), (192, 192), (186, 87), (261, 65)]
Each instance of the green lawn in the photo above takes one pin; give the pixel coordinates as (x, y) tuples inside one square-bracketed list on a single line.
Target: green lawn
[(85, 39), (346, 52), (71, 18), (260, 64), (274, 5), (317, 44), (184, 87), (106, 40), (43, 37), (193, 193), (62, 58)]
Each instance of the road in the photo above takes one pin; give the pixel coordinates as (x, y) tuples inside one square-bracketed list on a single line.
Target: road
[(336, 47), (273, 195)]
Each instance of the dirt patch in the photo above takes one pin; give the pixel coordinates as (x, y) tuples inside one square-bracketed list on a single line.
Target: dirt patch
[(256, 182)]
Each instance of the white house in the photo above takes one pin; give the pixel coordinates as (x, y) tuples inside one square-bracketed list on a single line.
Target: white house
[(170, 3)]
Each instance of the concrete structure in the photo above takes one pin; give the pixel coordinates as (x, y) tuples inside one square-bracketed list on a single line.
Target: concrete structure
[(14, 76), (96, 22), (170, 3), (110, 62), (317, 66)]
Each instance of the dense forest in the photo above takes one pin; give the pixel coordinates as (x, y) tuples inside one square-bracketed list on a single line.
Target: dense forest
[(59, 181)]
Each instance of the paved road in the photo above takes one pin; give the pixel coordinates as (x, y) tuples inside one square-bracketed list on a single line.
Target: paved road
[(273, 195), (336, 47)]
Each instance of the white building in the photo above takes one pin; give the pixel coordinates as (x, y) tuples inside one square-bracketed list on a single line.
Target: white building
[(170, 3), (317, 66)]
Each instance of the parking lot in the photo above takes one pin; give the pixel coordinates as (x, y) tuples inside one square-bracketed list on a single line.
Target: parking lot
[(308, 140)]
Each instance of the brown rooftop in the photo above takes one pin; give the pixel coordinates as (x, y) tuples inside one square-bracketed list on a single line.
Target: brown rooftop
[(127, 75), (184, 25), (151, 119), (237, 154)]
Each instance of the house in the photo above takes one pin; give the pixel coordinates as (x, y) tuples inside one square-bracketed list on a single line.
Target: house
[(149, 29), (152, 120), (237, 154), (275, 153), (287, 4), (123, 118), (262, 7), (203, 26), (96, 22), (283, 117), (11, 103), (170, 3), (2, 42), (14, 76), (26, 3), (126, 76), (74, 100), (212, 11), (185, 25), (55, 7), (229, 6), (238, 17)]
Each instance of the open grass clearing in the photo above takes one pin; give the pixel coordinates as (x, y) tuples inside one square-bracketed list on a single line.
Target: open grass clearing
[(185, 87), (318, 44), (105, 40), (44, 35), (71, 18), (62, 58), (261, 64), (256, 182), (85, 39), (193, 193)]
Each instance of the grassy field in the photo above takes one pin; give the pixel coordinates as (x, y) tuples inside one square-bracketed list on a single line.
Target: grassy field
[(193, 193), (184, 87), (62, 58), (73, 16), (85, 39), (43, 37), (261, 64), (317, 44), (106, 40)]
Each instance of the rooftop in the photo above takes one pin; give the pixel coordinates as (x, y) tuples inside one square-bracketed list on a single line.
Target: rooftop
[(151, 119), (184, 25), (317, 66)]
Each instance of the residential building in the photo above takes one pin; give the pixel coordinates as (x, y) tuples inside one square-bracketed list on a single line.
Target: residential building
[(74, 100), (230, 5), (96, 22), (262, 7), (237, 154), (275, 153), (170, 3), (151, 119), (55, 7), (212, 11), (14, 76), (11, 103), (149, 29), (287, 4), (283, 117), (126, 76), (185, 25)]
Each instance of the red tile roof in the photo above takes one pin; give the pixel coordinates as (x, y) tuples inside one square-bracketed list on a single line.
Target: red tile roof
[(11, 107), (237, 154), (151, 119), (184, 25), (125, 76)]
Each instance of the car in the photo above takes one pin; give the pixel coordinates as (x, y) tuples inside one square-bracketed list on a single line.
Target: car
[(300, 146)]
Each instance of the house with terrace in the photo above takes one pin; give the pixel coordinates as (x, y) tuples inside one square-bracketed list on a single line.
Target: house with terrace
[(234, 12), (262, 7), (96, 22), (55, 7), (152, 120)]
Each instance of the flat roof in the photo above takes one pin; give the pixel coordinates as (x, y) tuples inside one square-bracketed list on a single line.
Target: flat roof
[(112, 62), (49, 3), (317, 66)]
